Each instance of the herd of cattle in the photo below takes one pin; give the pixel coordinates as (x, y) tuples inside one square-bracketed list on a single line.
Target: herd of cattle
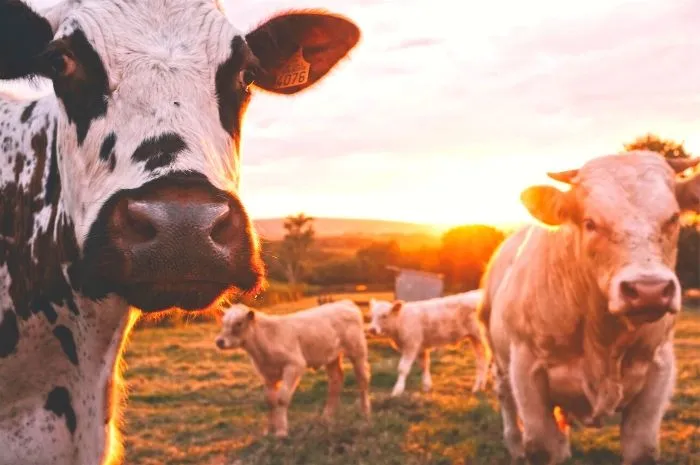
[(282, 347), (120, 190)]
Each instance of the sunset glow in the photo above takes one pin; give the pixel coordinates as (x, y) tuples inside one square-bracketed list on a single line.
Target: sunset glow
[(443, 115)]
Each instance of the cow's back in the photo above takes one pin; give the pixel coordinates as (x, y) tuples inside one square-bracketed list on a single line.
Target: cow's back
[(315, 336), (329, 328), (439, 321)]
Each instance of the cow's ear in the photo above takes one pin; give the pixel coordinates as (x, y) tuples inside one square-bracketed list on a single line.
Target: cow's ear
[(397, 306), (688, 193), (547, 204), (296, 49), (24, 35)]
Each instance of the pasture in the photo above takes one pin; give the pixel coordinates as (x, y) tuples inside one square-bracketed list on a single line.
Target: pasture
[(192, 404)]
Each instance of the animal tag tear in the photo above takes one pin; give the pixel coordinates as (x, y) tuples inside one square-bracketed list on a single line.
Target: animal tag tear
[(294, 73)]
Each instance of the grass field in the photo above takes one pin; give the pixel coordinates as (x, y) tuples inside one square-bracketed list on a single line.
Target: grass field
[(191, 404)]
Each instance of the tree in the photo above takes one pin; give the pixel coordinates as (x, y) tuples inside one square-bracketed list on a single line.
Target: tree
[(374, 259), (667, 147), (295, 247), (465, 252)]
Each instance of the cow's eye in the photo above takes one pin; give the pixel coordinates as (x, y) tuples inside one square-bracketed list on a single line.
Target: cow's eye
[(247, 77), (589, 225), (59, 63)]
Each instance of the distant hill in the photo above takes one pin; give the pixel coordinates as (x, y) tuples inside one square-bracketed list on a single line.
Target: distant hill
[(273, 228)]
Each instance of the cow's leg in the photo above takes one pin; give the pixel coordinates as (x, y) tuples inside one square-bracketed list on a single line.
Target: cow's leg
[(482, 364), (290, 380), (641, 419), (271, 393), (544, 442), (509, 413), (361, 368), (335, 386), (427, 380), (407, 358)]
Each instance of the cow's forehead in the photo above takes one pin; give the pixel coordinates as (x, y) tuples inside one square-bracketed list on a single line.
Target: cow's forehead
[(233, 314), (177, 32), (381, 306), (639, 183)]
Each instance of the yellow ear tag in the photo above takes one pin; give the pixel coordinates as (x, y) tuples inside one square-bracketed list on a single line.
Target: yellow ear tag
[(294, 73)]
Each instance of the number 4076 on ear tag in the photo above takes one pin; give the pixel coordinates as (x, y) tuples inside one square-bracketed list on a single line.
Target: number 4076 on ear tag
[(294, 73)]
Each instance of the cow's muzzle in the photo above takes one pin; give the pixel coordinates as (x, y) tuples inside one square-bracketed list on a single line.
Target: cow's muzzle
[(178, 243), (645, 297)]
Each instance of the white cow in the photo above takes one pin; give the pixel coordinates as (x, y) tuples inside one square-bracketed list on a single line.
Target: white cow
[(580, 314), (417, 327), (282, 347)]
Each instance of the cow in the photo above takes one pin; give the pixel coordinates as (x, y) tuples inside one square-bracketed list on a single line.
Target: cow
[(417, 327), (282, 347), (579, 310), (119, 190)]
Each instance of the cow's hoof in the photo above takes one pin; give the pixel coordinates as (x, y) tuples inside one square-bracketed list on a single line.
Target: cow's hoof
[(538, 454), (514, 444)]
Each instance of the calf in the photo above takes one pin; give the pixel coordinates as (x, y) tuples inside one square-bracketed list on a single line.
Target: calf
[(580, 314), (281, 348), (417, 327), (120, 190)]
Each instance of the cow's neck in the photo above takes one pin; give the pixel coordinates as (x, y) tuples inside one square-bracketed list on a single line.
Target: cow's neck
[(58, 341)]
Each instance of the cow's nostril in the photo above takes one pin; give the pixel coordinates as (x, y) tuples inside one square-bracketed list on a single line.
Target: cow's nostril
[(628, 290), (132, 222), (226, 228), (220, 343), (669, 290), (139, 221)]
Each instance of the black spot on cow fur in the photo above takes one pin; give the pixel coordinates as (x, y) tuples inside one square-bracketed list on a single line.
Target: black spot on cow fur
[(231, 98), (23, 36), (9, 333), (65, 337), (159, 151), (27, 113), (58, 402), (107, 151), (42, 305), (52, 178), (84, 94)]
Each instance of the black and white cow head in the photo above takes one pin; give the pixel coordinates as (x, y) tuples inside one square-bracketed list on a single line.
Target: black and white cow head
[(151, 97)]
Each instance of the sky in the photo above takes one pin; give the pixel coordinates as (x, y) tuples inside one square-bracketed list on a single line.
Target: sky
[(447, 110)]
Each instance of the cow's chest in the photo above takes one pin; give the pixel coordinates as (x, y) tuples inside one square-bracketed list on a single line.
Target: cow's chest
[(53, 390), (63, 426), (574, 389)]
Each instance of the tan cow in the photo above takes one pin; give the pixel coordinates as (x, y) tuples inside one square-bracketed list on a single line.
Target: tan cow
[(580, 314), (417, 327), (282, 347)]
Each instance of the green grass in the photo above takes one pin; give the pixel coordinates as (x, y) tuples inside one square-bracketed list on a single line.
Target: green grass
[(191, 404)]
